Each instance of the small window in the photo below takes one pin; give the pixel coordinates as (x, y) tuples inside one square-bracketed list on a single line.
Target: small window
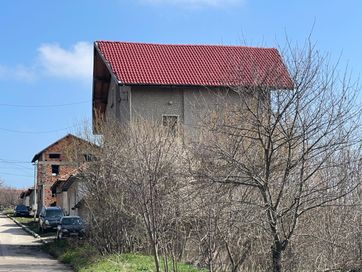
[(88, 157), (55, 170), (170, 121), (54, 156)]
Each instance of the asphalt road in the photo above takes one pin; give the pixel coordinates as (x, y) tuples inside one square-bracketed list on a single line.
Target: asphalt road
[(21, 252)]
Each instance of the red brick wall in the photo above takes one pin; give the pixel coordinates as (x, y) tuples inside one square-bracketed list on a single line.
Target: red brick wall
[(67, 162)]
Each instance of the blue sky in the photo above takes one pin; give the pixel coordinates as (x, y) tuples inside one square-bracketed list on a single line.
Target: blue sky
[(46, 53)]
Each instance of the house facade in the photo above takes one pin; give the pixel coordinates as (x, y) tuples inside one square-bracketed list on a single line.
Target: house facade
[(69, 193), (177, 82), (27, 198), (56, 161)]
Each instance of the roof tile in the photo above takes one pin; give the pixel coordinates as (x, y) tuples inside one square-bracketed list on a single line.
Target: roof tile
[(203, 65)]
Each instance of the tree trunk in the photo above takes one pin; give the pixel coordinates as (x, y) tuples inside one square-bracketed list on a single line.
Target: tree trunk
[(277, 250), (156, 256), (277, 257)]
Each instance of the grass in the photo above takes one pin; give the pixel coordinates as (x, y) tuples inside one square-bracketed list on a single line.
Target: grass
[(84, 258), (132, 262), (28, 222), (25, 220), (8, 211), (33, 225)]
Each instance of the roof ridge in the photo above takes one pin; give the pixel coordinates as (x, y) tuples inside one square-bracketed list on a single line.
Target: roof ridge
[(185, 45), (36, 156)]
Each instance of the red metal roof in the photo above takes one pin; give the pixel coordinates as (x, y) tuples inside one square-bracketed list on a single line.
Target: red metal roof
[(202, 65)]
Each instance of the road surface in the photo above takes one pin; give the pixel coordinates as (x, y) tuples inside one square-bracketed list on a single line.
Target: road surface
[(21, 252)]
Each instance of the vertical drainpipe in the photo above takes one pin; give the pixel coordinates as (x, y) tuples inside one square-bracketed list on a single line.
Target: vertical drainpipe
[(35, 206)]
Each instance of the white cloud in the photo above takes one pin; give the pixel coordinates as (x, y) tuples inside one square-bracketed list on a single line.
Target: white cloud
[(75, 63), (54, 61), (19, 72), (195, 3)]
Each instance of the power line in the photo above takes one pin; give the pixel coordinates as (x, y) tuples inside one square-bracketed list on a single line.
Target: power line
[(35, 132), (16, 175), (15, 165), (13, 161), (17, 171), (43, 106)]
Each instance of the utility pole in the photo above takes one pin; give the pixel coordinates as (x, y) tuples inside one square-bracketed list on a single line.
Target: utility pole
[(35, 205)]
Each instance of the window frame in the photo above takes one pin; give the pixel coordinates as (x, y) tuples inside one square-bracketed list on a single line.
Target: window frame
[(57, 155), (174, 128), (53, 167)]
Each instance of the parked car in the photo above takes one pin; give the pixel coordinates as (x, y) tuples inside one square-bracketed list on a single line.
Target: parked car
[(49, 218), (70, 226), (21, 210)]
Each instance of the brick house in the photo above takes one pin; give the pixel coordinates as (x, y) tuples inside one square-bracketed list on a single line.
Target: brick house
[(177, 82), (57, 160)]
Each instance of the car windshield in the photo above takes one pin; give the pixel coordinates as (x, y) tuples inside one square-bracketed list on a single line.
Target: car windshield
[(21, 208), (54, 213), (71, 221)]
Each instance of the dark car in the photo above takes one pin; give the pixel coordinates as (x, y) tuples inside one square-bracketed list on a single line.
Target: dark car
[(49, 218), (70, 226), (21, 210)]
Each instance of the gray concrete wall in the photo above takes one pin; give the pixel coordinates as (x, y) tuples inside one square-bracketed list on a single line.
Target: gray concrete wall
[(65, 206), (75, 194), (123, 105), (26, 201), (191, 104), (154, 102), (72, 198), (118, 105), (111, 109)]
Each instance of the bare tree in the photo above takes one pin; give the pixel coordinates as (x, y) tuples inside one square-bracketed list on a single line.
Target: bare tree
[(297, 150), (8, 196), (134, 189)]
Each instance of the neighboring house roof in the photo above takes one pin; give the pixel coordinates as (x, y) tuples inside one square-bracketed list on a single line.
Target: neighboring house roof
[(37, 156), (200, 65), (69, 183), (29, 191), (59, 182), (26, 192), (22, 194), (79, 204), (65, 181)]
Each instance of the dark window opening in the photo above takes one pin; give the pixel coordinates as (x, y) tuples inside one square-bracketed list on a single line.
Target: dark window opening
[(55, 170), (54, 156), (170, 121), (89, 157)]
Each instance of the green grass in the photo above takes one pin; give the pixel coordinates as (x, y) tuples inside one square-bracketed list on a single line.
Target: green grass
[(25, 220), (28, 222), (84, 258), (33, 225), (8, 211), (131, 262)]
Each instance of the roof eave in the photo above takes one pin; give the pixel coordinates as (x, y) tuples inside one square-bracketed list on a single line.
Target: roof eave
[(96, 105)]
